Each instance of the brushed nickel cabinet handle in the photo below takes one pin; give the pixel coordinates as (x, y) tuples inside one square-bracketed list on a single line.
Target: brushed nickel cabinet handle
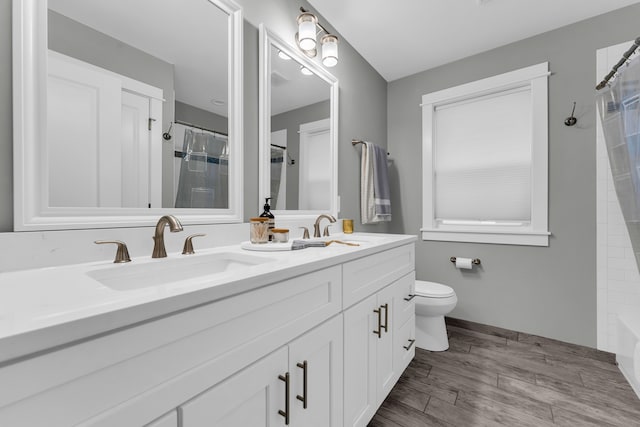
[(286, 411), (379, 331), (409, 297), (304, 366), (386, 317), (408, 347)]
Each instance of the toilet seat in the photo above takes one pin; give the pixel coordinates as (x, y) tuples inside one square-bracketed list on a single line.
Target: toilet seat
[(433, 290)]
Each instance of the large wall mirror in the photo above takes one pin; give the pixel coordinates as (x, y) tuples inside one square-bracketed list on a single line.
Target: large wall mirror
[(298, 131), (126, 110)]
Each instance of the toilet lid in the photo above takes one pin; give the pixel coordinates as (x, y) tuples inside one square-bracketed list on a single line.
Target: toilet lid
[(433, 290)]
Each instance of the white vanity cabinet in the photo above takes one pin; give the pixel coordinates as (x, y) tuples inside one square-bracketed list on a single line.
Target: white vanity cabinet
[(133, 376), (376, 329), (318, 344), (298, 385)]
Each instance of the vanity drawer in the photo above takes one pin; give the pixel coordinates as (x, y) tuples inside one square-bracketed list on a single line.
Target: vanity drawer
[(133, 376), (404, 346), (404, 305), (365, 276)]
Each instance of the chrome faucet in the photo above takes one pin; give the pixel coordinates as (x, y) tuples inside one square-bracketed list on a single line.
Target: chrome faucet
[(159, 250), (316, 225)]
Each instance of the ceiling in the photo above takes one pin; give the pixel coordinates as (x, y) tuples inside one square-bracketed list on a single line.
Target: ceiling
[(403, 37)]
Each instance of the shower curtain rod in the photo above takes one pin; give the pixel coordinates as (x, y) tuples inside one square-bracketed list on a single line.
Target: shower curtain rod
[(614, 70), (180, 122)]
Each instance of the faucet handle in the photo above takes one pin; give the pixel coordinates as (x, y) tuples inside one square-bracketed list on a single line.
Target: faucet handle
[(188, 244), (326, 231), (305, 234), (122, 254)]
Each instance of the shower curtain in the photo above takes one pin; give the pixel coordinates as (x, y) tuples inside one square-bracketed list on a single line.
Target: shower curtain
[(203, 181), (619, 106), (277, 163)]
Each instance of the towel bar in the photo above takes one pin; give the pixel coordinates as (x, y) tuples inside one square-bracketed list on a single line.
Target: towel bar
[(355, 142)]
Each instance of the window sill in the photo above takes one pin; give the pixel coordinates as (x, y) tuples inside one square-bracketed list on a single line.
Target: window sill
[(501, 237)]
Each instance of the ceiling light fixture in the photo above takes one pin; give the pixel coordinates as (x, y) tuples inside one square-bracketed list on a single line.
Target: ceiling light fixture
[(308, 30), (304, 70)]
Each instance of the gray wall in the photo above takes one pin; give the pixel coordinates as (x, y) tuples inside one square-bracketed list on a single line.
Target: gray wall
[(199, 117), (550, 291), (291, 121)]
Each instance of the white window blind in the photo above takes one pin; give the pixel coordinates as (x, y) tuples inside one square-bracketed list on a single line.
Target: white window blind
[(482, 161)]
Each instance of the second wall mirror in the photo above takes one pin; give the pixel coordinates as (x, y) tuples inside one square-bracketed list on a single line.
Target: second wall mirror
[(298, 165)]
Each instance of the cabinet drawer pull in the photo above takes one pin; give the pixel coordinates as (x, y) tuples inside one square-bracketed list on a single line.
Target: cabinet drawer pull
[(386, 317), (408, 347), (379, 331), (303, 398), (286, 411), (409, 297)]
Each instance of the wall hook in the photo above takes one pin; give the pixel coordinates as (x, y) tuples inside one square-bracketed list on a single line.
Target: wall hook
[(167, 134), (570, 121)]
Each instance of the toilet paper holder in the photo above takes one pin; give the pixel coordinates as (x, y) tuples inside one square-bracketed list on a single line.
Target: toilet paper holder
[(475, 261)]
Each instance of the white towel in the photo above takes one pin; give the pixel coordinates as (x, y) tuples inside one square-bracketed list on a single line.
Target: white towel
[(375, 204)]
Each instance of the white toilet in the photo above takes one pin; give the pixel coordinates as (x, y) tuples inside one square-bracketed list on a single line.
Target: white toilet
[(433, 301)]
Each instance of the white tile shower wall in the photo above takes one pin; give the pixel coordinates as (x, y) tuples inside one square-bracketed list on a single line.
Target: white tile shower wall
[(618, 280)]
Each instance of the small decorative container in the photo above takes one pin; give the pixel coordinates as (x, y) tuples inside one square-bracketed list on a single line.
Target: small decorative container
[(347, 226), (259, 230), (280, 235)]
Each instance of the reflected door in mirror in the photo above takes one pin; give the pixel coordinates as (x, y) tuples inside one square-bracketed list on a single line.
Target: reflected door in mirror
[(98, 139)]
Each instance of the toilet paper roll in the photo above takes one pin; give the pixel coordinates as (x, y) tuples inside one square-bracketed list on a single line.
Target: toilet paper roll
[(464, 263)]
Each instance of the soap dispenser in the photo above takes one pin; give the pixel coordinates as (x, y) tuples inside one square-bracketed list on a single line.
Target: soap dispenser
[(267, 214)]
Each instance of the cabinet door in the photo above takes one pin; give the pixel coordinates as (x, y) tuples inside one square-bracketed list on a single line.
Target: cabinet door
[(360, 343), (252, 397), (385, 374), (316, 369)]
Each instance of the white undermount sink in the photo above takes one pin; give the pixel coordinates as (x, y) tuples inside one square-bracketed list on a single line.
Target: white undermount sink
[(125, 277)]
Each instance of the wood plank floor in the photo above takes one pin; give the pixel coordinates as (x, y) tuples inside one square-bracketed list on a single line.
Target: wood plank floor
[(496, 377)]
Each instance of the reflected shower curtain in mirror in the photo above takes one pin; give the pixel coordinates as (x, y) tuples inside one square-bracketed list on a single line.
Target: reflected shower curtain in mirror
[(619, 106), (204, 170), (277, 163)]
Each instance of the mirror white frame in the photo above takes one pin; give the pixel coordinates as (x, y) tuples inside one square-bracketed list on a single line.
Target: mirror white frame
[(31, 211), (267, 40)]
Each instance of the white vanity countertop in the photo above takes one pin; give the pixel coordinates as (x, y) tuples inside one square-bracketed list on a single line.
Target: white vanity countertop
[(44, 308)]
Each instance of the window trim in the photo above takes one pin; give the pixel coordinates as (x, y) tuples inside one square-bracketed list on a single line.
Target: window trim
[(534, 234)]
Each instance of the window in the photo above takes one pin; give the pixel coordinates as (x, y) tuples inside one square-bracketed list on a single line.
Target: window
[(485, 160)]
